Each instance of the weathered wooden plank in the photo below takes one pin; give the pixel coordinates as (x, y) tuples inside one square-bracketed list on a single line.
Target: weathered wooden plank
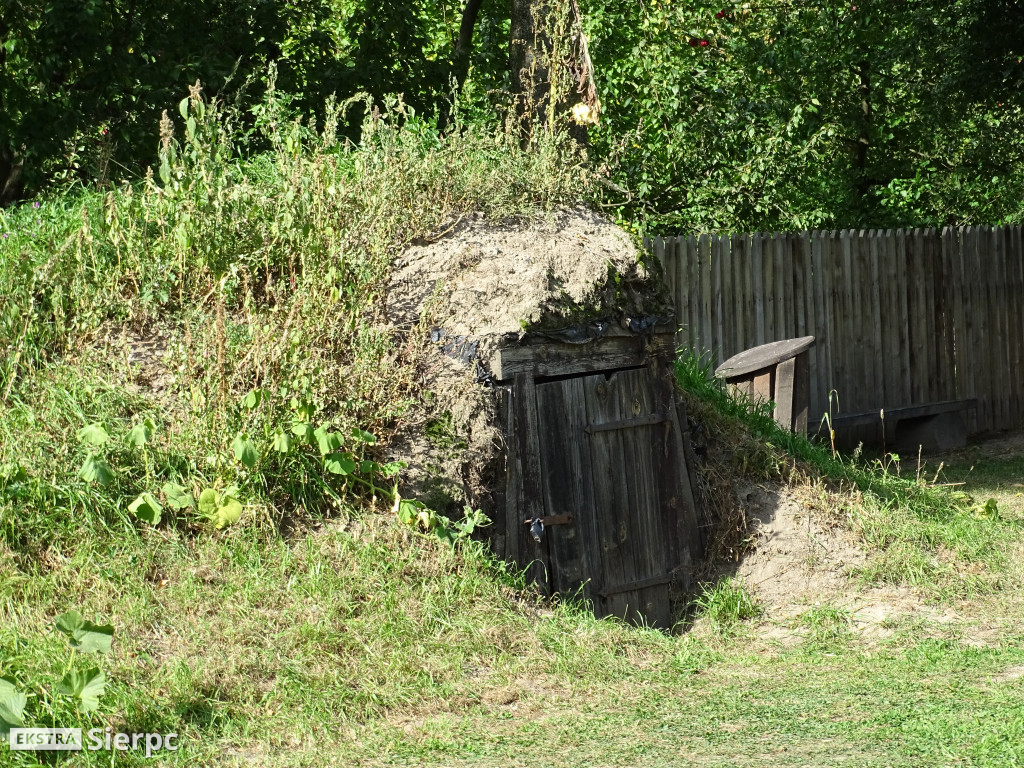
[(763, 386), (890, 319), (770, 288), (952, 262), (719, 273), (808, 286), (857, 334), (679, 514), (878, 360), (967, 360), (824, 325), (498, 531), (749, 338), (659, 247), (915, 315), (933, 334), (740, 294), (785, 388), (648, 535), (681, 289), (559, 359), (1016, 300), (801, 392), (1000, 374), (568, 486), (529, 498), (787, 318), (799, 266), (902, 320), (977, 323), (906, 412), (694, 281), (706, 298), (614, 510), (758, 286), (1008, 309), (764, 356), (944, 297)]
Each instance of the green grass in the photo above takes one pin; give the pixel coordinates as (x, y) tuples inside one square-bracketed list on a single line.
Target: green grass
[(318, 631), (726, 602)]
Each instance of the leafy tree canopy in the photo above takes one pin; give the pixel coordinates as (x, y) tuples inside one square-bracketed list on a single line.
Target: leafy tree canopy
[(780, 115)]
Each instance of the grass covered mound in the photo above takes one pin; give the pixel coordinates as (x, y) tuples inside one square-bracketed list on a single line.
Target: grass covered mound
[(197, 395)]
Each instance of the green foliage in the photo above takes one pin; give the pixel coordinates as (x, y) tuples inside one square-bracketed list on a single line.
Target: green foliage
[(83, 635), (220, 508), (86, 686), (795, 116), (147, 509), (12, 706), (83, 685)]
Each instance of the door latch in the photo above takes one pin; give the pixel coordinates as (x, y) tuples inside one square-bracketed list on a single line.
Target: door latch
[(537, 524)]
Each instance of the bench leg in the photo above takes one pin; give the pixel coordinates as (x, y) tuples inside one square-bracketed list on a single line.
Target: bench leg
[(942, 432)]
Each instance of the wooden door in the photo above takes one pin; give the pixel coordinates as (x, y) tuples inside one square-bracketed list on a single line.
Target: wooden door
[(612, 475)]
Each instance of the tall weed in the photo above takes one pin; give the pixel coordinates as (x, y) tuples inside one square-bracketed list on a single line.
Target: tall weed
[(267, 274)]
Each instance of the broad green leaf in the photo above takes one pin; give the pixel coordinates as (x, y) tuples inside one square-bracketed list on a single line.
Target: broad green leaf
[(141, 434), (93, 434), (208, 502), (282, 443), (245, 451), (85, 635), (86, 685), (364, 436), (177, 497), (368, 467), (408, 510), (339, 463), (327, 441), (147, 509), (254, 398), (96, 470), (221, 509), (304, 431), (228, 512), (12, 706), (183, 108)]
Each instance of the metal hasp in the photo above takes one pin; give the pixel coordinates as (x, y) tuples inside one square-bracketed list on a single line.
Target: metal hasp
[(599, 501), (778, 372)]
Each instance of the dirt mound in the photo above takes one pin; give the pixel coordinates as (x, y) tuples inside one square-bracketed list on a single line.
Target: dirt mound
[(483, 285), (793, 554), (798, 559)]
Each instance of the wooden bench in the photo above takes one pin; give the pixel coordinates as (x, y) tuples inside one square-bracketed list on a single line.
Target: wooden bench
[(932, 426), (779, 372)]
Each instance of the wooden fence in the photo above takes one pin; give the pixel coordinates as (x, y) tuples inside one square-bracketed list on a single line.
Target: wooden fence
[(901, 317)]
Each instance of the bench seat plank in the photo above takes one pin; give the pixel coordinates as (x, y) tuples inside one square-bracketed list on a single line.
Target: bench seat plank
[(904, 412)]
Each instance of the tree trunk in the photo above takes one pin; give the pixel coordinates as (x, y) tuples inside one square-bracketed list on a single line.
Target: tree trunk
[(529, 64), (459, 62), (551, 76)]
